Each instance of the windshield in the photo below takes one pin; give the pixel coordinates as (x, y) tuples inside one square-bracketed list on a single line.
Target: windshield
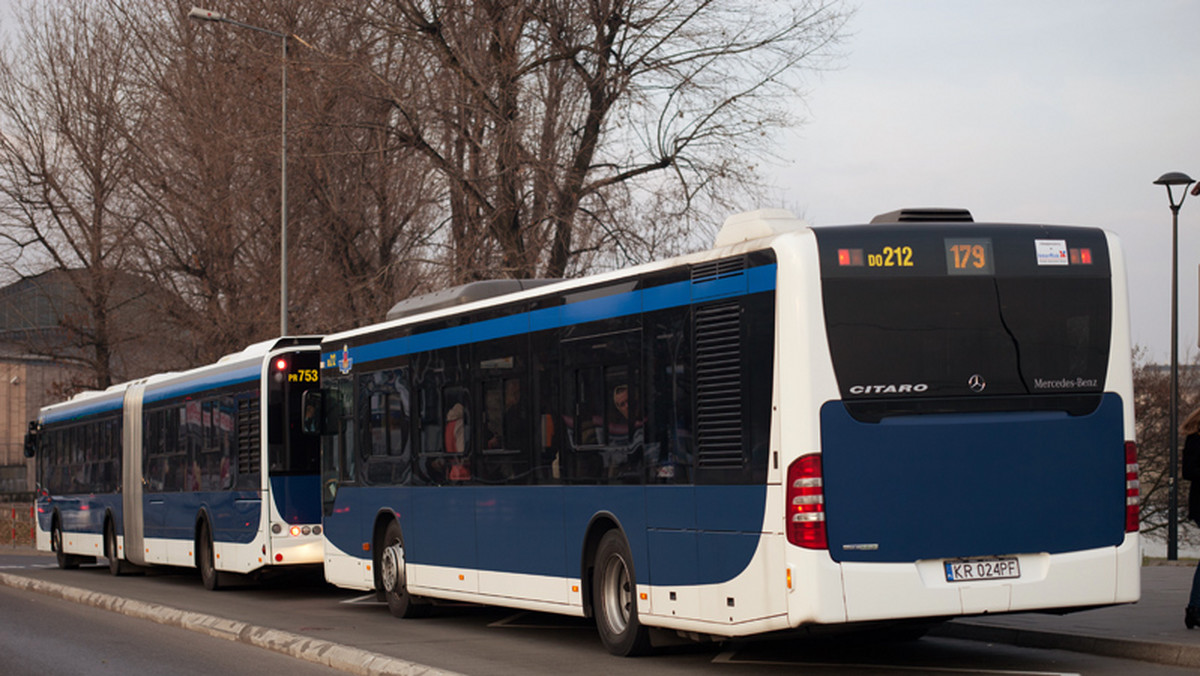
[(291, 450)]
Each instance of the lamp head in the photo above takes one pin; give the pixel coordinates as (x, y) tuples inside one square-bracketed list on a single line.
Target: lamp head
[(1174, 178), (205, 15)]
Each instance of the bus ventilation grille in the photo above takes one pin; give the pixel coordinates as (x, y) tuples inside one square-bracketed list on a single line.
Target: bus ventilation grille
[(248, 427), (725, 267), (926, 215), (719, 386)]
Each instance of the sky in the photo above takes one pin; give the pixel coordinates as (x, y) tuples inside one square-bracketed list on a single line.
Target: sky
[(1026, 111)]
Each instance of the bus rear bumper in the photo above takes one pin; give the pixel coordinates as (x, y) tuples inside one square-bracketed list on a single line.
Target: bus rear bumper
[(297, 550), (1090, 578)]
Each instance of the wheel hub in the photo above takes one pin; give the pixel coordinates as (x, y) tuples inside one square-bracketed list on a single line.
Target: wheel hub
[(617, 594), (391, 566)]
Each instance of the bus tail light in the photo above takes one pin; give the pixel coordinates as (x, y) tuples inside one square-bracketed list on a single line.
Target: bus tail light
[(806, 503), (1133, 491)]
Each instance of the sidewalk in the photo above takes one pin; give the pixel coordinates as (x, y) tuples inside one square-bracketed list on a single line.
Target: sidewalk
[(1150, 630)]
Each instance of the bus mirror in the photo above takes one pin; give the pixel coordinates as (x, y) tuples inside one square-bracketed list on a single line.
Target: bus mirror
[(312, 403), (31, 440)]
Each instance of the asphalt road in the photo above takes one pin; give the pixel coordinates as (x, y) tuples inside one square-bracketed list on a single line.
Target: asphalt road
[(43, 636), (480, 640)]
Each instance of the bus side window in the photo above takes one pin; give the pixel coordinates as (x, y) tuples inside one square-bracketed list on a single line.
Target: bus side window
[(551, 427), (669, 399), (348, 433), (457, 435), (387, 458), (312, 403), (589, 407)]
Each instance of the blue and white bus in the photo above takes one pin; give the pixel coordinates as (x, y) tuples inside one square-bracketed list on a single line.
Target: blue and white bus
[(914, 419), (206, 468)]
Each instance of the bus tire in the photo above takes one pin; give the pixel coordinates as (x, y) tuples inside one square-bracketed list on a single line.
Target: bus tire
[(205, 558), (614, 601), (115, 565), (392, 576), (65, 561)]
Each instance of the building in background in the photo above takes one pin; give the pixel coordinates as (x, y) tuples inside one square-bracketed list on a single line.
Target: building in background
[(41, 361)]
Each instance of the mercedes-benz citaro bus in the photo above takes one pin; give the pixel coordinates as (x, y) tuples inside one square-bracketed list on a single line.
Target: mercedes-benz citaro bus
[(171, 469), (914, 419)]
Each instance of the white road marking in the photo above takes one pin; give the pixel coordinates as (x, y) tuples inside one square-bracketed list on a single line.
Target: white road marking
[(365, 598)]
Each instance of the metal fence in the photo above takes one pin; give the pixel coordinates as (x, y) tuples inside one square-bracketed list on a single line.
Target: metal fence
[(16, 524)]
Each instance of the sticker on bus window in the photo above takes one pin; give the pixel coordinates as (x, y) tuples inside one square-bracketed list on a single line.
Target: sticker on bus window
[(1051, 251)]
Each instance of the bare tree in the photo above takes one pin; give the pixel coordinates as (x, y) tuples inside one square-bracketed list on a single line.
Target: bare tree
[(359, 206), (368, 206), (550, 121), (65, 112), (207, 174)]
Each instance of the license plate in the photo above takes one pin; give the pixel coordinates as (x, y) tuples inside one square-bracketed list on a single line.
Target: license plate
[(982, 569)]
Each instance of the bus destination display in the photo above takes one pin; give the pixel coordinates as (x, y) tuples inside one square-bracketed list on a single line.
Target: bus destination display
[(964, 256), (969, 256)]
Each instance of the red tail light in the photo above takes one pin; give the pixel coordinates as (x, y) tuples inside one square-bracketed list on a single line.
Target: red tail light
[(1133, 491), (806, 503)]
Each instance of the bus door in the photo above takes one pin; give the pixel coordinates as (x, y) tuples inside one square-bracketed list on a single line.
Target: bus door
[(131, 475), (444, 534)]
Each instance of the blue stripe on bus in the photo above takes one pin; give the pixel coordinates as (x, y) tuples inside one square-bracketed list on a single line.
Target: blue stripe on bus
[(754, 280), (539, 530), (202, 382), (83, 410)]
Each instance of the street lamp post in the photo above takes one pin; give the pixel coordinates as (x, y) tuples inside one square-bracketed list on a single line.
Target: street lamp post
[(209, 15), (1172, 179)]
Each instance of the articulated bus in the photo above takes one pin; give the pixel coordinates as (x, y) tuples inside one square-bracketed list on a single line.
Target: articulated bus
[(904, 421), (171, 469)]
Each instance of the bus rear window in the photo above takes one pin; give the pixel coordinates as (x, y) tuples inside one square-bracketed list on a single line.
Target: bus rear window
[(1010, 337)]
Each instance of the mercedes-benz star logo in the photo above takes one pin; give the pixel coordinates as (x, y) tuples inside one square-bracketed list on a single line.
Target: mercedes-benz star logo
[(976, 383)]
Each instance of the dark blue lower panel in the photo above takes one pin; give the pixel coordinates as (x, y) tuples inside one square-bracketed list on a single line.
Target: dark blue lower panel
[(973, 485), (679, 535), (80, 513), (297, 498), (235, 517), (537, 548)]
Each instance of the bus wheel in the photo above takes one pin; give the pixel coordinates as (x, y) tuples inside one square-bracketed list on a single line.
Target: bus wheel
[(615, 600), (392, 575), (115, 565), (65, 561), (205, 560)]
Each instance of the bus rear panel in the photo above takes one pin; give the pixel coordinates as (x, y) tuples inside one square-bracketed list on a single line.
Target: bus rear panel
[(979, 455)]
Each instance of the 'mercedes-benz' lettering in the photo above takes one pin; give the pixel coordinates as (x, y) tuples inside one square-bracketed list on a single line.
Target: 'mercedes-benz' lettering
[(905, 388), (1064, 383)]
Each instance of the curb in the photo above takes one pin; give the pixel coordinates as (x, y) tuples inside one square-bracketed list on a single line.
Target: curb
[(335, 655), (1143, 651)]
